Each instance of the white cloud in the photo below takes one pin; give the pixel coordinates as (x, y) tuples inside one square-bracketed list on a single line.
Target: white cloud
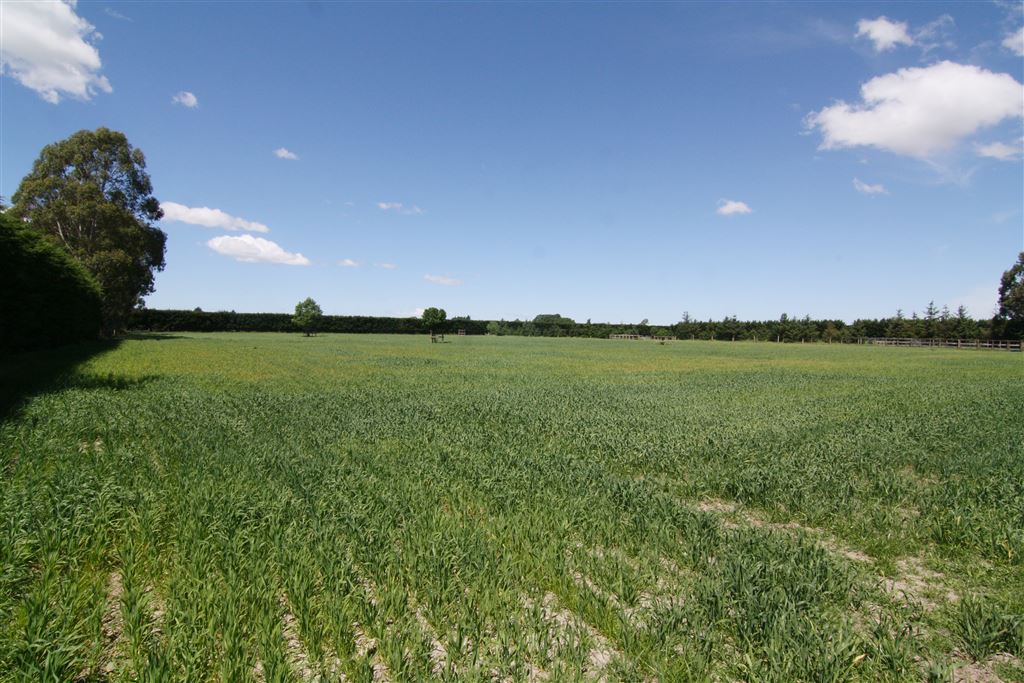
[(110, 12), (387, 266), (348, 263), (209, 218), (47, 47), (186, 99), (398, 207), (936, 34), (920, 111), (443, 280), (1015, 42), (980, 301), (864, 188), (249, 249), (418, 312), (1003, 216), (282, 153), (730, 207), (1001, 150), (885, 34)]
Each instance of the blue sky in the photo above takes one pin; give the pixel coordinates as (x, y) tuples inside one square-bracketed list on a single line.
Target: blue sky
[(605, 161)]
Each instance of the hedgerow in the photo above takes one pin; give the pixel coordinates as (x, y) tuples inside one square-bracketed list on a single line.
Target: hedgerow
[(48, 298)]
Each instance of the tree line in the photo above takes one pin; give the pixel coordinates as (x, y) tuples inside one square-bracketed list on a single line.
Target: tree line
[(157, 320), (934, 324)]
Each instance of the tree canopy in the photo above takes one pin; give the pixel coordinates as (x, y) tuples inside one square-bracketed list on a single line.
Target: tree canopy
[(90, 193), (552, 319), (434, 318), (1010, 315), (307, 316)]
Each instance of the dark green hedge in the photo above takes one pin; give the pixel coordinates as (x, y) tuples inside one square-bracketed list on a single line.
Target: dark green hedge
[(229, 321), (785, 330), (46, 297)]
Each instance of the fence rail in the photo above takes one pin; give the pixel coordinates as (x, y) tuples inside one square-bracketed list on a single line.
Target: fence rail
[(654, 337), (998, 344), (943, 343)]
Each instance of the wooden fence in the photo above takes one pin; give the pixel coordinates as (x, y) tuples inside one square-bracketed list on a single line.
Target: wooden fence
[(641, 337), (943, 343), (1002, 345)]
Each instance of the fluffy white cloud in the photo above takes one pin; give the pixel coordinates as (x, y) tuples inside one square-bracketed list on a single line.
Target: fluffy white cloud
[(249, 249), (418, 312), (47, 47), (1015, 42), (186, 99), (442, 280), (282, 153), (348, 263), (208, 218), (885, 34), (922, 110), (864, 188), (398, 207), (1000, 150), (730, 207), (387, 266)]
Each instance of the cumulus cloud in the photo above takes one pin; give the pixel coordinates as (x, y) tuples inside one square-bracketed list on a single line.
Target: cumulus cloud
[(443, 280), (47, 47), (1001, 150), (249, 249), (398, 207), (730, 207), (348, 263), (387, 266), (208, 218), (418, 312), (921, 111), (186, 99), (884, 33), (1015, 42), (282, 153), (864, 188)]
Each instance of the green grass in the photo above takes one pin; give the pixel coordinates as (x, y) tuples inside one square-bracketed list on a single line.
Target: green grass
[(278, 508)]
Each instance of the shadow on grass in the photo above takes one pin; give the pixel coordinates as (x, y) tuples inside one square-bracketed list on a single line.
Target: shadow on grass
[(78, 380), (28, 374), (149, 336)]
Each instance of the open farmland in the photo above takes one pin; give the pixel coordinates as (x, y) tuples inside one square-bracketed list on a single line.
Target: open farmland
[(275, 508)]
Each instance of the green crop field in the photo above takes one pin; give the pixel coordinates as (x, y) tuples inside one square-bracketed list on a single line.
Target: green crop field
[(269, 507)]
